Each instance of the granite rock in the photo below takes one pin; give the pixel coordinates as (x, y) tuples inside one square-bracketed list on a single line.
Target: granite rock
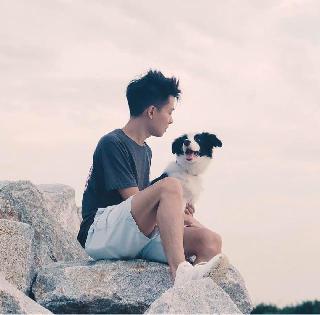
[(135, 286), (17, 253), (13, 301), (194, 297), (77, 284), (60, 200), (22, 201), (224, 291), (104, 286), (231, 282)]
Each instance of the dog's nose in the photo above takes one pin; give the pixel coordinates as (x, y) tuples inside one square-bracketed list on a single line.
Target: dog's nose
[(186, 142)]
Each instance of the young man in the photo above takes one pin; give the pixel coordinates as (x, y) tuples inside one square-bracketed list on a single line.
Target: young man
[(126, 218)]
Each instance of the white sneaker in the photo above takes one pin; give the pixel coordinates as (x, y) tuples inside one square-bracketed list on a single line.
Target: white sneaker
[(186, 272)]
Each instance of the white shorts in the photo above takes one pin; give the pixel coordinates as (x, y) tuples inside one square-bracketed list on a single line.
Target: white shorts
[(114, 234)]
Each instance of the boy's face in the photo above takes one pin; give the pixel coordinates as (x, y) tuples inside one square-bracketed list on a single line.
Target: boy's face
[(162, 118)]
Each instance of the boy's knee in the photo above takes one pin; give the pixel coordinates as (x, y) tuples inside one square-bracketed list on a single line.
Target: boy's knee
[(217, 239), (215, 243), (210, 242), (171, 185)]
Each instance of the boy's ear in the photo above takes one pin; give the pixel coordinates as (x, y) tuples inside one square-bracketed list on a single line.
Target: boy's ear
[(177, 145), (150, 111)]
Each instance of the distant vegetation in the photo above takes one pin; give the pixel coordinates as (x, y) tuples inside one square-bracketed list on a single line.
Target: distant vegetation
[(308, 307)]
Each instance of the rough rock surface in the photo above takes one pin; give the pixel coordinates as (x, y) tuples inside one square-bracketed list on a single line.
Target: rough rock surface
[(17, 253), (4, 183), (101, 287), (194, 297), (79, 212), (13, 301), (22, 201), (233, 284), (86, 286), (60, 200), (132, 286), (223, 292)]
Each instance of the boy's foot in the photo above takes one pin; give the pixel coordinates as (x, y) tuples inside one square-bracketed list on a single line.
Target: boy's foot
[(186, 272)]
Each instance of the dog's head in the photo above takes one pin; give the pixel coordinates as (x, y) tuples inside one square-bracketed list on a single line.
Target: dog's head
[(194, 150)]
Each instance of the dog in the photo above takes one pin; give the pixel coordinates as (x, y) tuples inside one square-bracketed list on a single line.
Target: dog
[(193, 155)]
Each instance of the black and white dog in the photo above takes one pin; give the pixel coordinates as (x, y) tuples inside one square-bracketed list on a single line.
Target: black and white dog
[(193, 155)]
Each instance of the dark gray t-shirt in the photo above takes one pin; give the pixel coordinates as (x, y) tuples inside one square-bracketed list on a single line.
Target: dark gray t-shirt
[(118, 162)]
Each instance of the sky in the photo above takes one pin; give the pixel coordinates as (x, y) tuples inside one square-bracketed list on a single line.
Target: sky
[(249, 73)]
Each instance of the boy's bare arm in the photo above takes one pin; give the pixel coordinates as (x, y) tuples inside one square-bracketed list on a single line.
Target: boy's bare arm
[(128, 192)]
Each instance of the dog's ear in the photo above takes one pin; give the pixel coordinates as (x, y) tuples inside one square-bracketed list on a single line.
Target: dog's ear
[(177, 145), (212, 139)]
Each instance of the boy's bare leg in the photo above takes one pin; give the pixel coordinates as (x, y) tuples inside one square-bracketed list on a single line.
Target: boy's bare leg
[(171, 230), (162, 204), (202, 242)]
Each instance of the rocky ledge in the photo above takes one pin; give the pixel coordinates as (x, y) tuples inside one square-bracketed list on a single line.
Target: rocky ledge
[(44, 268)]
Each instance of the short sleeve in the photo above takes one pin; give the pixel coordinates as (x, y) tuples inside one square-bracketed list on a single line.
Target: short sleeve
[(117, 170)]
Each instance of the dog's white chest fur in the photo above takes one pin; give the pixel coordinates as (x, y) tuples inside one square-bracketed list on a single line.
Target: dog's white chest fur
[(191, 184)]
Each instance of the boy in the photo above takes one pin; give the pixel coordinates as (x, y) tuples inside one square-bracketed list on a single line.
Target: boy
[(126, 218)]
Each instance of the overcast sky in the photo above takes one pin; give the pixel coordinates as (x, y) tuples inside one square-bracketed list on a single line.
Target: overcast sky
[(249, 72)]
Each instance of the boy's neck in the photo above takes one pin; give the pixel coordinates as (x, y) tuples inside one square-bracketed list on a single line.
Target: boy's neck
[(134, 130)]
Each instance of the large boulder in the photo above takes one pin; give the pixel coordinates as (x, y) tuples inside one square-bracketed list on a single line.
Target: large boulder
[(224, 291), (101, 287), (60, 200), (132, 286), (194, 297), (13, 301), (22, 201), (231, 282), (75, 284), (17, 253)]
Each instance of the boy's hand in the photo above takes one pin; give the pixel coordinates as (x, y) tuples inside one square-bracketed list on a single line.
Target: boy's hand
[(191, 221), (189, 209), (188, 219)]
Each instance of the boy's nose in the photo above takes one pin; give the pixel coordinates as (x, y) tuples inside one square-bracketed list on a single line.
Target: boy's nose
[(186, 142)]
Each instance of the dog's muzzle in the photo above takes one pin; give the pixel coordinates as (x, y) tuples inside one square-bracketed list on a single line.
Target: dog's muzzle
[(191, 155)]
